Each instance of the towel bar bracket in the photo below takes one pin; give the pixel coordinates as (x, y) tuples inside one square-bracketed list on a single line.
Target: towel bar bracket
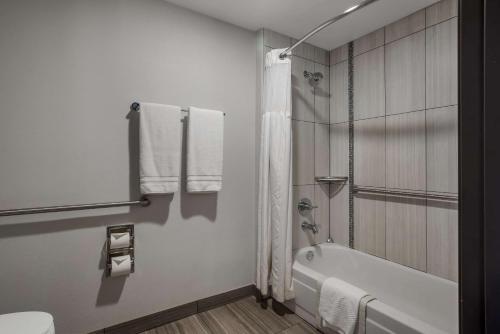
[(144, 201)]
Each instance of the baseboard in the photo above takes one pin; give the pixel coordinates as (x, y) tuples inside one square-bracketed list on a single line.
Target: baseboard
[(173, 314), (225, 298)]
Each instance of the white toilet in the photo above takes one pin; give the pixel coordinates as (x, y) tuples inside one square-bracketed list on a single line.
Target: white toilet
[(27, 323)]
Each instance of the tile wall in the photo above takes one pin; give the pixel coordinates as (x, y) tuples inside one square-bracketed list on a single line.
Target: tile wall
[(311, 123), (405, 137)]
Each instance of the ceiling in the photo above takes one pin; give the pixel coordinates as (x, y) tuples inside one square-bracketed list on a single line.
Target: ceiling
[(297, 17)]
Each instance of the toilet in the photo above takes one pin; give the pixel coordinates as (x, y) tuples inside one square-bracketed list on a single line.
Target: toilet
[(27, 323)]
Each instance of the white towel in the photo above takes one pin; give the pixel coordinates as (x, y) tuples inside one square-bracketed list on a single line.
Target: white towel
[(339, 304), (204, 150), (160, 148)]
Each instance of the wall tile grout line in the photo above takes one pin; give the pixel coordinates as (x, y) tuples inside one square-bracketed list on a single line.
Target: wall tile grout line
[(416, 32), (437, 23), (387, 43), (405, 36), (301, 120), (394, 114), (350, 92), (370, 50), (339, 123), (425, 127), (385, 148), (315, 200), (338, 62), (329, 148), (444, 106)]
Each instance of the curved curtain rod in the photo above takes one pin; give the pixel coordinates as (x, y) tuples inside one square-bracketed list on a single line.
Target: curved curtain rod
[(325, 24)]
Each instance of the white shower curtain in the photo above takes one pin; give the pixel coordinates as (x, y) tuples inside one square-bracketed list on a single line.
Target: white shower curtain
[(274, 258)]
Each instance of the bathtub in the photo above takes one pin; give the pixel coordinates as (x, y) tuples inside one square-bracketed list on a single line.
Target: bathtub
[(407, 301)]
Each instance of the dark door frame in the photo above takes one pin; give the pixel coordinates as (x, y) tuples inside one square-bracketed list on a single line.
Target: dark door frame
[(479, 165), (492, 165)]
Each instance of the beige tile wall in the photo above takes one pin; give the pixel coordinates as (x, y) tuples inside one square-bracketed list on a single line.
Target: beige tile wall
[(405, 137), (405, 151), (370, 226), (405, 74), (311, 135), (369, 100)]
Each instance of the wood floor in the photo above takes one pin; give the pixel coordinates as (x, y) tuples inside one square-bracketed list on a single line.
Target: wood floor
[(242, 317)]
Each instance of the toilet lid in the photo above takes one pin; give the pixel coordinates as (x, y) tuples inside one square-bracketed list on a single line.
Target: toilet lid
[(27, 323)]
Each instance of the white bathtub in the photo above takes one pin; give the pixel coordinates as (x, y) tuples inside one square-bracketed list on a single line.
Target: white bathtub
[(408, 301)]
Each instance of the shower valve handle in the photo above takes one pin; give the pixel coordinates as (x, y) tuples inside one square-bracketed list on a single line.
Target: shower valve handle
[(305, 204)]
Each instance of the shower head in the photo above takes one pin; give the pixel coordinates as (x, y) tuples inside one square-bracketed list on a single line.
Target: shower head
[(316, 77)]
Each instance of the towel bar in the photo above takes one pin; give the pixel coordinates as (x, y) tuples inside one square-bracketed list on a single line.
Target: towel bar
[(136, 106), (143, 202)]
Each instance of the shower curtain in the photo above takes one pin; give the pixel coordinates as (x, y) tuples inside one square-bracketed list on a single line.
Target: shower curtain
[(274, 258)]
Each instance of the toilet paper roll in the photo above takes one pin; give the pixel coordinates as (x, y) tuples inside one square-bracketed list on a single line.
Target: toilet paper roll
[(119, 240), (120, 265)]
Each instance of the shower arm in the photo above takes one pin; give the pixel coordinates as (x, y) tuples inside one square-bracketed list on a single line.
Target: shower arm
[(325, 24)]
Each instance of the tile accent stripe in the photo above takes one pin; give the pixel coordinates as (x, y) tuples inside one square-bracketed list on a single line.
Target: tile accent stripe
[(350, 92)]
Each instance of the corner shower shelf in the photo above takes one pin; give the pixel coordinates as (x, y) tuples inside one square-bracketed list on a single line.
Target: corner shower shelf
[(331, 179)]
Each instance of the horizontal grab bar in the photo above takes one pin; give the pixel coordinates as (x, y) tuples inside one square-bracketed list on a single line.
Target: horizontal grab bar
[(404, 193), (29, 211)]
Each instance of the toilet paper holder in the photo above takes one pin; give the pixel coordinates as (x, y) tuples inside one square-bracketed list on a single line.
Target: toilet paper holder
[(111, 252)]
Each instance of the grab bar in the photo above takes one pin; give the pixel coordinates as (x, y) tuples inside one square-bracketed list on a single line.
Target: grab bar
[(143, 202), (404, 193)]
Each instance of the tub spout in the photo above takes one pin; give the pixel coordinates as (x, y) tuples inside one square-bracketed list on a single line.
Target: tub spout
[(310, 226)]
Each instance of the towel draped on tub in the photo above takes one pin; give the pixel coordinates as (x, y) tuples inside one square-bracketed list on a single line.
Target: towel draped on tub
[(342, 306)]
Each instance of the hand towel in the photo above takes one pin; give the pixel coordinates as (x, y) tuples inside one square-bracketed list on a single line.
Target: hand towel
[(160, 148), (339, 304), (205, 140)]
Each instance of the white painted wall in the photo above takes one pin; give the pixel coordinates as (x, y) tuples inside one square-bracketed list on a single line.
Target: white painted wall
[(70, 69)]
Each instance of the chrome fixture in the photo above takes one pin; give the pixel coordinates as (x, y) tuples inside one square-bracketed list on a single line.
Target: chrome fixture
[(16, 212), (316, 77), (305, 205), (331, 179), (329, 240), (130, 250), (136, 106), (310, 226), (325, 24), (403, 193)]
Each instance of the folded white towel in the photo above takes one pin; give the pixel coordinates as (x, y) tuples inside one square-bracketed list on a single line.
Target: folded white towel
[(339, 304), (160, 148), (204, 150)]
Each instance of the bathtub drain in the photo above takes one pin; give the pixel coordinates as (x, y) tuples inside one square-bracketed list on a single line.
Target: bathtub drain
[(310, 255)]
